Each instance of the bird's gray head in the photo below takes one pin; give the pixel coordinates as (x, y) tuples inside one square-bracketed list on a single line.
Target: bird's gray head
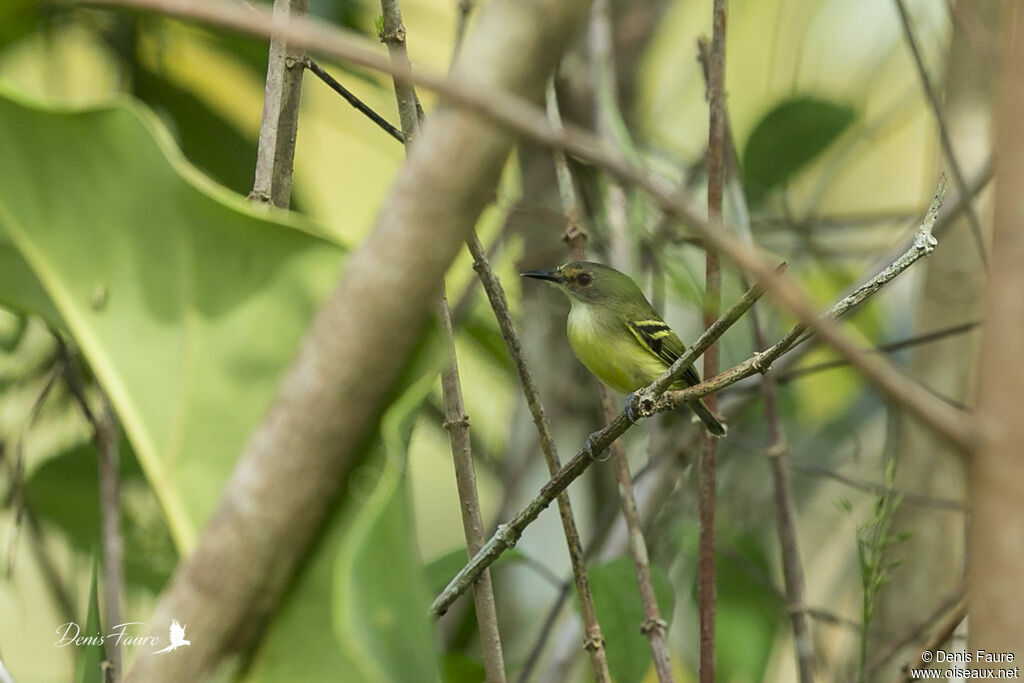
[(589, 282)]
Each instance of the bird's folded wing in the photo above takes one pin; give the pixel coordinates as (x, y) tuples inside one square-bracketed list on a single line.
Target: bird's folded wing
[(657, 337)]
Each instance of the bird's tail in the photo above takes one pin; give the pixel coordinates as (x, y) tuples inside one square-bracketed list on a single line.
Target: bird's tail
[(714, 426)]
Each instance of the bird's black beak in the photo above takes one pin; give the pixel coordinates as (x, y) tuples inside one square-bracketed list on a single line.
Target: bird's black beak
[(549, 275)]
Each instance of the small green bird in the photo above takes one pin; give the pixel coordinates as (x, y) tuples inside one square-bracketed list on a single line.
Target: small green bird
[(616, 333)]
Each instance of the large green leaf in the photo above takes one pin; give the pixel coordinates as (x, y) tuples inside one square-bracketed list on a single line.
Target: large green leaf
[(187, 302), (617, 603), (790, 136)]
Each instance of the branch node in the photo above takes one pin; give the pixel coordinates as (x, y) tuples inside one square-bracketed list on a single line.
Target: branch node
[(762, 363), (395, 36), (797, 609), (641, 404), (653, 624), (460, 420), (259, 197), (777, 450), (573, 230), (290, 62), (507, 536), (925, 241), (593, 643)]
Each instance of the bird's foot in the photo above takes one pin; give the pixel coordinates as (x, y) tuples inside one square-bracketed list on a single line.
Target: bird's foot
[(631, 412), (638, 405), (595, 456)]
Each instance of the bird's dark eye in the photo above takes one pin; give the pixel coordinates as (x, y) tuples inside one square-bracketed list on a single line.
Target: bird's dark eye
[(584, 279)]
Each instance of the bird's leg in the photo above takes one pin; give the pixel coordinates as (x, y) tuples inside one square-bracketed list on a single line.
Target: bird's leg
[(639, 404), (589, 448), (631, 412)]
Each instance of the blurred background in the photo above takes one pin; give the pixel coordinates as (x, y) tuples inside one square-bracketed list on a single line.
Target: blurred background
[(838, 151)]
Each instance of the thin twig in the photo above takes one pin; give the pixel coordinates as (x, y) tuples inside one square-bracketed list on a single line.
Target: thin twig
[(707, 481), (517, 114), (944, 137), (393, 36), (507, 535), (276, 153), (575, 238), (914, 631), (24, 513), (456, 420), (654, 626), (889, 347), (106, 437), (361, 106), (593, 639), (457, 424), (777, 450), (905, 496), (16, 494), (612, 128), (944, 633)]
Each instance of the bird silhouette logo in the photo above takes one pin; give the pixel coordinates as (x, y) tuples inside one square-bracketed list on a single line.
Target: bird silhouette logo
[(177, 637)]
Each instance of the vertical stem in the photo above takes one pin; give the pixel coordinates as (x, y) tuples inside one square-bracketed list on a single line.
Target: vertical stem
[(712, 303), (456, 420), (106, 437), (110, 513), (393, 36), (654, 626), (996, 478), (778, 449), (792, 569), (276, 154), (457, 423), (594, 640)]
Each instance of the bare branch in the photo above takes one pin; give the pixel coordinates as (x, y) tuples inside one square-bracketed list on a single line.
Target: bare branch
[(106, 437), (361, 106), (777, 450), (707, 483), (276, 155)]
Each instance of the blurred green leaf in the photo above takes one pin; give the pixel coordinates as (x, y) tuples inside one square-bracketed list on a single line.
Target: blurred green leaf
[(749, 612), (459, 668), (187, 302), (64, 491), (90, 665), (12, 330), (790, 136), (18, 18), (206, 138), (617, 602)]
